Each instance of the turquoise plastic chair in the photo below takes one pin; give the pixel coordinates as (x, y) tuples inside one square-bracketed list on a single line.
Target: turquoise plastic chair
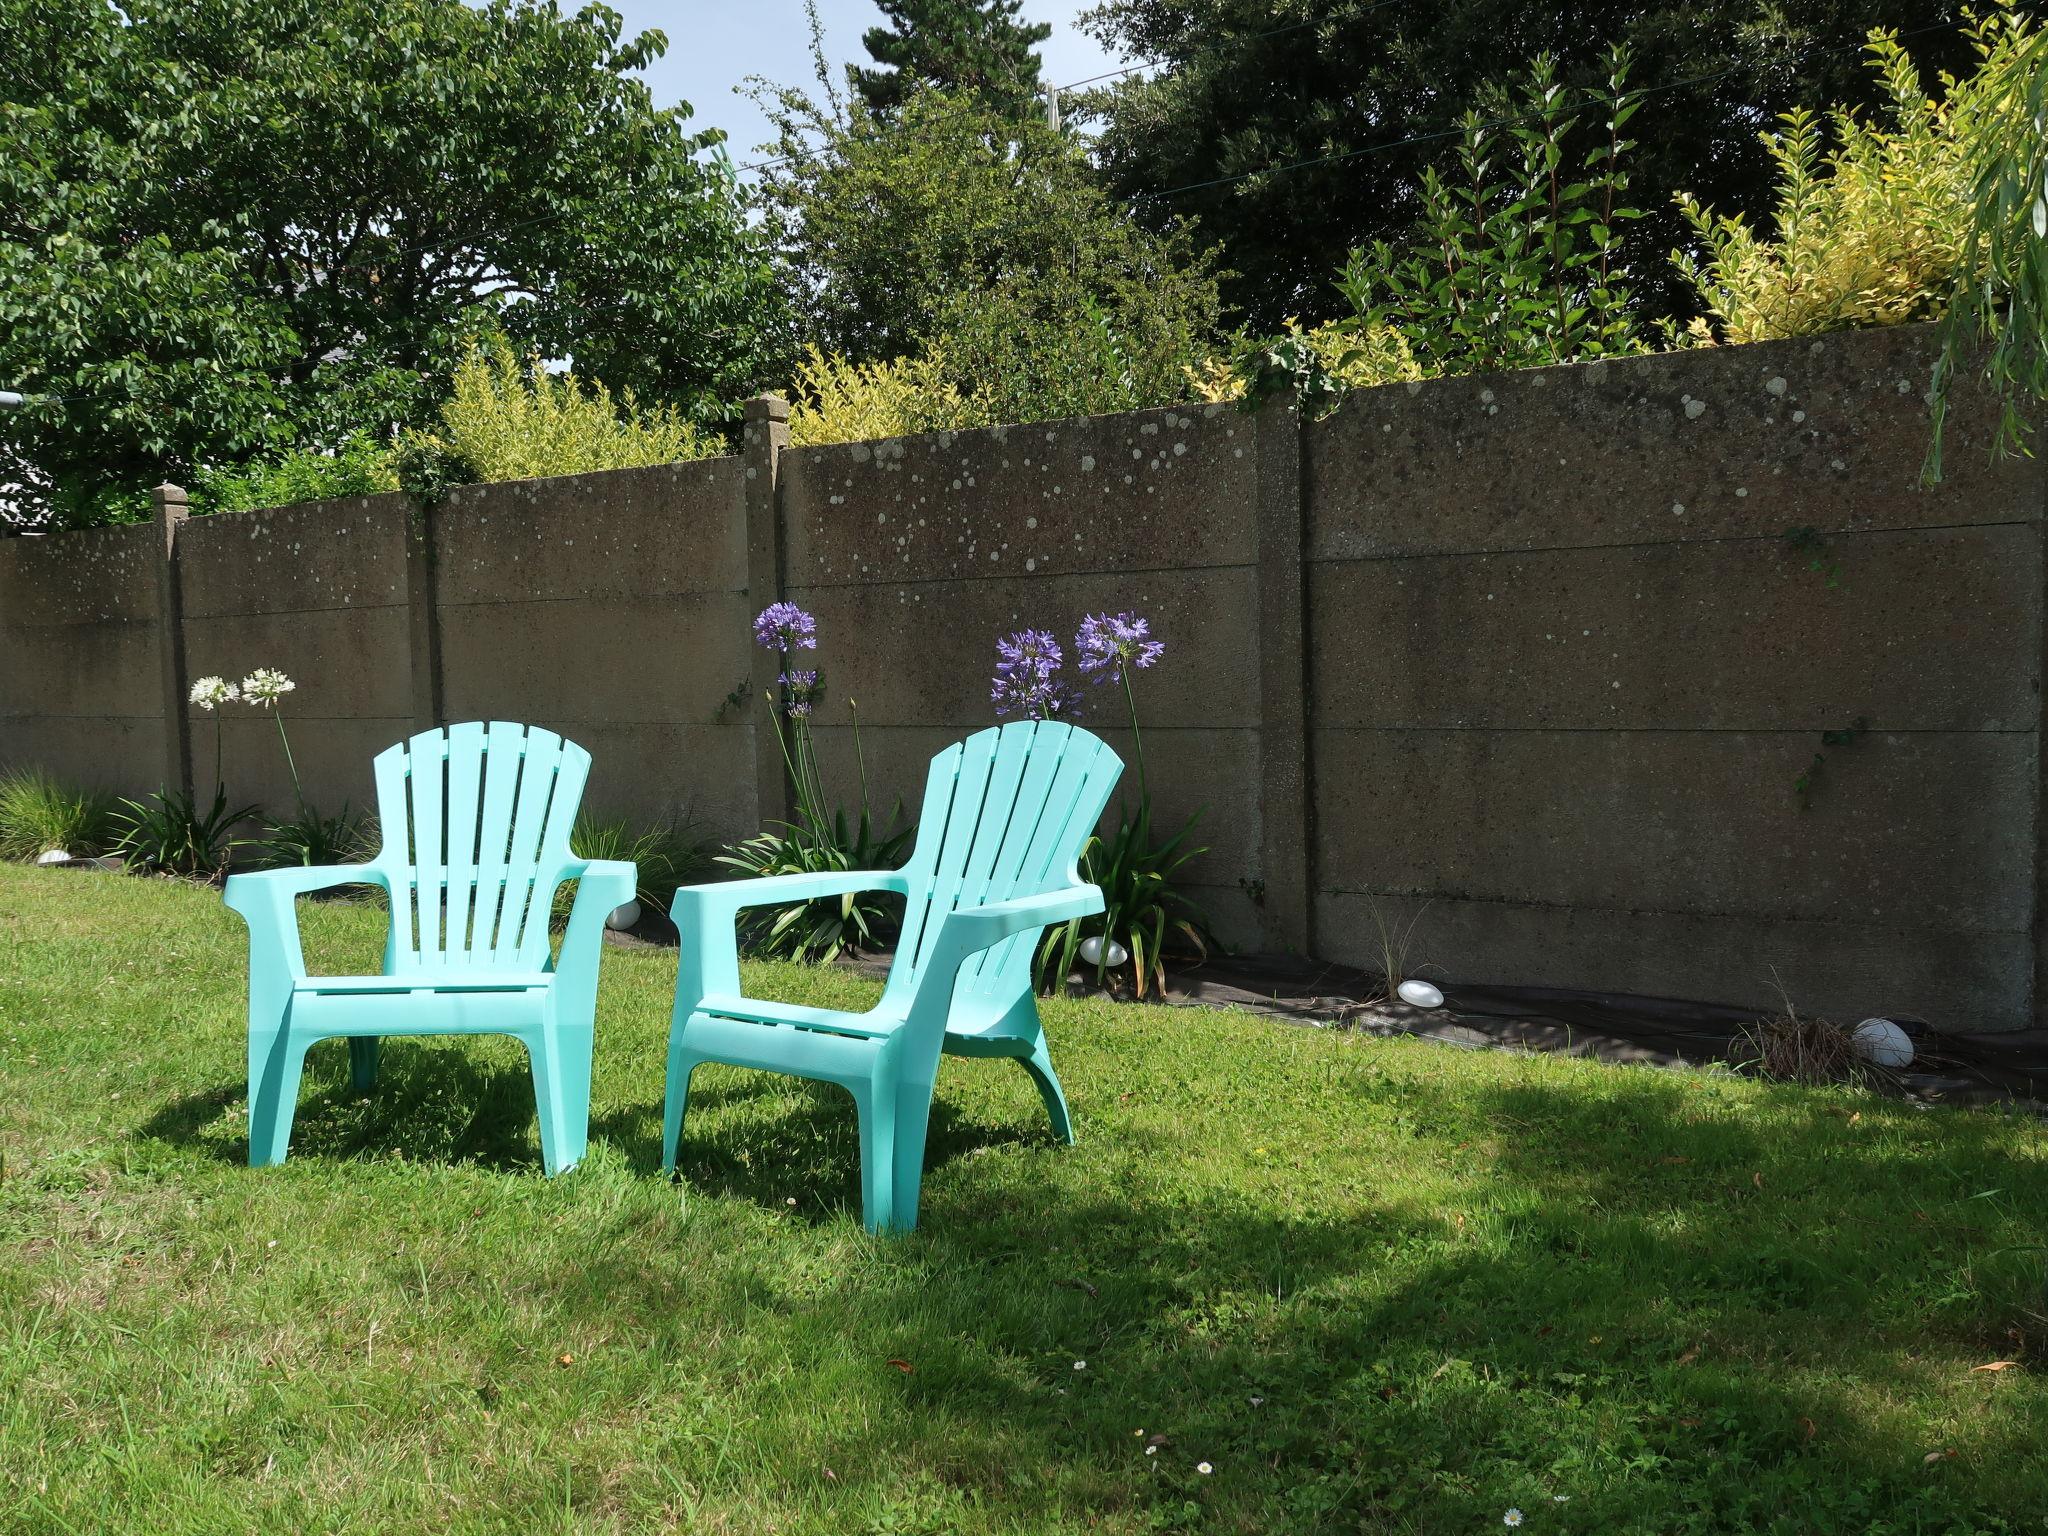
[(1006, 814), (475, 823)]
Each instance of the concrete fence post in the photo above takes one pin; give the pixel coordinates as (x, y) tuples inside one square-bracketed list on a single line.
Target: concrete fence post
[(172, 509), (762, 439), (423, 618), (1286, 851)]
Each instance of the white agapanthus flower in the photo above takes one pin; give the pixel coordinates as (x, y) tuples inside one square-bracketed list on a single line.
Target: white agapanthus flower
[(211, 692), (265, 686)]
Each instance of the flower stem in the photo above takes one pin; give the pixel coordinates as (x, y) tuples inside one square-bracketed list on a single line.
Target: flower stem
[(297, 793), (1137, 741)]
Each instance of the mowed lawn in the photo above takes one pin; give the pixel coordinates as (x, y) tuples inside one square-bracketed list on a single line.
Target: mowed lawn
[(1368, 1285)]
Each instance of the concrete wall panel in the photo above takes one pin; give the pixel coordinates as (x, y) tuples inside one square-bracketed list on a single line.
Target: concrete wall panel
[(290, 560), (668, 528), (1153, 489), (1716, 443), (1916, 829), (1725, 634)]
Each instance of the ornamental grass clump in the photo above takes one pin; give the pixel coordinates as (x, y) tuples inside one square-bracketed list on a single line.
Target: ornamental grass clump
[(39, 815), (818, 839), (1142, 910)]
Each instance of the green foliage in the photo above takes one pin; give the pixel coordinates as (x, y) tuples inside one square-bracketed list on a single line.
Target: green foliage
[(1315, 363), (38, 814), (1871, 231), (358, 466), (509, 418), (228, 227), (830, 926), (1516, 259), (668, 853), (959, 46), (309, 838), (1142, 909), (1998, 309), (1296, 132), (836, 401), (949, 232), (172, 833)]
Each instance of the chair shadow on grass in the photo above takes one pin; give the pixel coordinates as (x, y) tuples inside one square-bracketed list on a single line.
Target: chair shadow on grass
[(798, 1135), (433, 1103)]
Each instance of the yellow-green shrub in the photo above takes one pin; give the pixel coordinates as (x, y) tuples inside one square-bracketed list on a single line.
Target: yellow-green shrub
[(841, 402), (1356, 356), (1872, 231), (508, 418)]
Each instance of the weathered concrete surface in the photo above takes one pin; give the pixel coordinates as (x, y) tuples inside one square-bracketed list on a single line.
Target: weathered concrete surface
[(613, 609), (1567, 666), (79, 691), (1146, 491), (317, 556), (1714, 443), (665, 529), (1725, 634)]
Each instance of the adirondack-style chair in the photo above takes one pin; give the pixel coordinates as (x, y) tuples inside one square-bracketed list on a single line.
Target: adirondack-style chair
[(1006, 814), (475, 822)]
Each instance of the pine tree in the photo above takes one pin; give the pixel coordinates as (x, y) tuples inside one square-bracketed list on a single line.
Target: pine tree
[(954, 45)]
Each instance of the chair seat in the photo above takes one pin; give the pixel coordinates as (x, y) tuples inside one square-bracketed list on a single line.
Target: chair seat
[(756, 1010), (427, 981)]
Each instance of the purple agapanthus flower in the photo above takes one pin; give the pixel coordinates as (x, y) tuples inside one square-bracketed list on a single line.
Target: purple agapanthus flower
[(785, 627), (800, 692), (1109, 643), (1027, 678)]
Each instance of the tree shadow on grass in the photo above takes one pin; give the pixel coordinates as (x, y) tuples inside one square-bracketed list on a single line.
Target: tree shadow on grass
[(438, 1102), (1676, 1316)]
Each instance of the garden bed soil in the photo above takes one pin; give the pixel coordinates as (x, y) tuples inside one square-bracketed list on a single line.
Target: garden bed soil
[(1607, 1026)]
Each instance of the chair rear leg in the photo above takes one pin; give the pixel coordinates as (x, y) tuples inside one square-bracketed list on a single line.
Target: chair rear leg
[(364, 1052), (560, 1054), (1039, 1065), (877, 1156), (277, 1060)]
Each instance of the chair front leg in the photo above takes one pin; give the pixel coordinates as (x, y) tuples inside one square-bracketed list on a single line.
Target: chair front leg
[(560, 1051), (277, 1059)]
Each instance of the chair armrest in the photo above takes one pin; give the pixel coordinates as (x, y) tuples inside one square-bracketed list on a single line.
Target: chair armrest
[(265, 897), (972, 929), (708, 959), (728, 898), (962, 934), (601, 886)]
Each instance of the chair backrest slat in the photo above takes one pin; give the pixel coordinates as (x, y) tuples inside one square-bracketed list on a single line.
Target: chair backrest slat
[(1006, 814), (476, 822)]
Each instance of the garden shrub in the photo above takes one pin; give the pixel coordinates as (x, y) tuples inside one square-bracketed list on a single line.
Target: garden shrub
[(359, 466), (509, 418), (1869, 232), (1516, 258), (1349, 354), (837, 401)]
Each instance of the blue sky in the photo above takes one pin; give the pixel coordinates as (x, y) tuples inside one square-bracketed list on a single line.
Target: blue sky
[(713, 45)]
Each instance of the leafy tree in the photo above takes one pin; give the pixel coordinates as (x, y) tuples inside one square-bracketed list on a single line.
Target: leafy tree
[(950, 227), (953, 46), (1371, 90), (232, 225)]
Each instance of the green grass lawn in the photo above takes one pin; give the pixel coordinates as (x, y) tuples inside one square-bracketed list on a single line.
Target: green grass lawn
[(1373, 1285)]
